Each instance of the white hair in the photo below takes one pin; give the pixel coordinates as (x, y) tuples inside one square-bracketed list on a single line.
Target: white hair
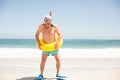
[(47, 17)]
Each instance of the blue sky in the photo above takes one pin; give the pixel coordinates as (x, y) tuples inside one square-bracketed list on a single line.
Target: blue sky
[(77, 19)]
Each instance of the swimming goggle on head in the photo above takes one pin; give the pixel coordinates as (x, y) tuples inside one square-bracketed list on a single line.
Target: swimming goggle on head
[(47, 18)]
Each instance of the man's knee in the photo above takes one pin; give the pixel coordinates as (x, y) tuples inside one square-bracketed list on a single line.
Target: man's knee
[(44, 58), (43, 61), (58, 60)]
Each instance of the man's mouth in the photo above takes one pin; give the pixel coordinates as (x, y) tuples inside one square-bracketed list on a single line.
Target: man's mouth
[(48, 23)]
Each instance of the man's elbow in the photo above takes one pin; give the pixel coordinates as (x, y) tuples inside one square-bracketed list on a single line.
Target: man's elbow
[(60, 36), (36, 35)]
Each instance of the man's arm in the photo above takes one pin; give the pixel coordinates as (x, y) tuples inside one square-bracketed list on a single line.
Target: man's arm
[(59, 36), (39, 30)]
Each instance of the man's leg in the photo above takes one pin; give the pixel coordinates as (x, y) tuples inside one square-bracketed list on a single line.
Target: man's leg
[(58, 62), (43, 61)]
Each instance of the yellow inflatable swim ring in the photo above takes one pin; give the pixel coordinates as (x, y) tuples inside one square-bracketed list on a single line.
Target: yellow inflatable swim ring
[(49, 47)]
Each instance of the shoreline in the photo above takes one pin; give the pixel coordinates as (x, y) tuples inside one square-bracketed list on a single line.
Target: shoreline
[(66, 53)]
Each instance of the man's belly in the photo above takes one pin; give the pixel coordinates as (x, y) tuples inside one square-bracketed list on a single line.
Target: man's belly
[(48, 40)]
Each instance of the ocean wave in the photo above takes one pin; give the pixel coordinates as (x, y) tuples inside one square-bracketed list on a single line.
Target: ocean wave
[(64, 52)]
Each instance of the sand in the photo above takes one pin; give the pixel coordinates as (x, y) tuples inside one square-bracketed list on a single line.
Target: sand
[(75, 69)]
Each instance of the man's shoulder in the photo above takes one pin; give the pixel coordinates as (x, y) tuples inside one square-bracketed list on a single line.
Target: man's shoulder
[(55, 26), (42, 25)]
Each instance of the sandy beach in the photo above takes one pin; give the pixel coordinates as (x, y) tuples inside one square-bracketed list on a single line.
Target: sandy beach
[(75, 69)]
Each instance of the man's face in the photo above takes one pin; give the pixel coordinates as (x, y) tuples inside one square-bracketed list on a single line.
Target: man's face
[(47, 22)]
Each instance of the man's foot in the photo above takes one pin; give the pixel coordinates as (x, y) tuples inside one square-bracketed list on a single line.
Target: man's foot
[(40, 76), (60, 76)]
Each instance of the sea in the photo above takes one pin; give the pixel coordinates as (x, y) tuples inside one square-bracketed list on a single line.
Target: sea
[(72, 48), (68, 43)]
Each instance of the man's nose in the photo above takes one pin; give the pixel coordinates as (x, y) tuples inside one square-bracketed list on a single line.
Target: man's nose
[(48, 21)]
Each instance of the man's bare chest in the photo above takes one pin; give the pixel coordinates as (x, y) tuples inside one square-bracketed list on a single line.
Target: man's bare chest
[(48, 31)]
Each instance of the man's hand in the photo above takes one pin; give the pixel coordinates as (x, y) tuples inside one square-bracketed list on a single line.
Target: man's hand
[(40, 47), (56, 45)]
